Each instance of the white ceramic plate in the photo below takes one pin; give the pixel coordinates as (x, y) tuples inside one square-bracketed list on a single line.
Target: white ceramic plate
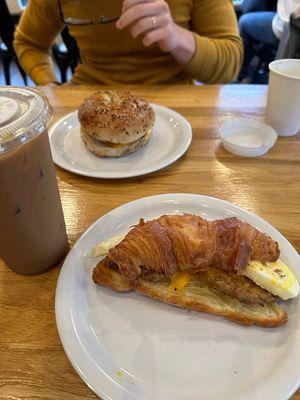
[(129, 347), (172, 136)]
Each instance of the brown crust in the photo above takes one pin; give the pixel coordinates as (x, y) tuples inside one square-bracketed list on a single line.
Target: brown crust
[(153, 290), (100, 149), (116, 116), (105, 276), (269, 315)]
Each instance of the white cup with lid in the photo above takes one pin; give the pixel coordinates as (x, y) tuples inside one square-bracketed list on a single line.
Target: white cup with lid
[(247, 137), (283, 103), (32, 235)]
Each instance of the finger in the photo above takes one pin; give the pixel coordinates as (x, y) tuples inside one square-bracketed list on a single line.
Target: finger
[(130, 3), (156, 36), (139, 11), (149, 23)]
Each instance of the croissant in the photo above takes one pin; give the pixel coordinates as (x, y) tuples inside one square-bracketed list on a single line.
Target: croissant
[(189, 243), (200, 265)]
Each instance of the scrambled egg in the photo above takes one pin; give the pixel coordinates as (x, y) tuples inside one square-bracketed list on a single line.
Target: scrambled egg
[(275, 277)]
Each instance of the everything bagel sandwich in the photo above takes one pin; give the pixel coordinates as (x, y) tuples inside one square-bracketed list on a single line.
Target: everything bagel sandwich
[(115, 123)]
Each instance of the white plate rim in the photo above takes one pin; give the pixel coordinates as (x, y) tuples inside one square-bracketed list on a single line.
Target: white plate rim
[(123, 175), (60, 321)]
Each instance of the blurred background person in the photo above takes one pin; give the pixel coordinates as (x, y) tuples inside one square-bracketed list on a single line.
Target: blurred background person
[(286, 25), (255, 26), (149, 42), (261, 28)]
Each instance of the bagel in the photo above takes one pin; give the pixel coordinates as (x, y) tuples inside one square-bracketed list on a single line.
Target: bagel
[(116, 117)]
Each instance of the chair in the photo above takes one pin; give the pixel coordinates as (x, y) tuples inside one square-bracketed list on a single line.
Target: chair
[(66, 54), (265, 54), (7, 27)]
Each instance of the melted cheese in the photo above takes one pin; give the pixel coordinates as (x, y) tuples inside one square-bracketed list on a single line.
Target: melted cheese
[(179, 281)]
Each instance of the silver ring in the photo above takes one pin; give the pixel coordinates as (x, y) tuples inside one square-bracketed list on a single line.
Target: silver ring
[(154, 21)]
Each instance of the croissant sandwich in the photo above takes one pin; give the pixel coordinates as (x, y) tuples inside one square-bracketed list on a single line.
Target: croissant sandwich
[(224, 267)]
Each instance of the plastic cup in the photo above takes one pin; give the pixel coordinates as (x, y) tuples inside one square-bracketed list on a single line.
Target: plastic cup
[(33, 235)]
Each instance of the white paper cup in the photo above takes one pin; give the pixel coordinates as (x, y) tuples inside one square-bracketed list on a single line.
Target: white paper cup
[(283, 104)]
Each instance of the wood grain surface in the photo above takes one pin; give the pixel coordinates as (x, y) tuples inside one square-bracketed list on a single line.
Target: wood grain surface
[(33, 364)]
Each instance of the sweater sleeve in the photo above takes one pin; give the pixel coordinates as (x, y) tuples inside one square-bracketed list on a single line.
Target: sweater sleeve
[(219, 49), (34, 36)]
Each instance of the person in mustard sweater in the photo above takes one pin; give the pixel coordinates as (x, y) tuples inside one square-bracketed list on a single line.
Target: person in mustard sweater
[(135, 41)]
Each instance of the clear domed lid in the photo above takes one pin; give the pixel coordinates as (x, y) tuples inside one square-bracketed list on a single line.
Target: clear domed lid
[(24, 113)]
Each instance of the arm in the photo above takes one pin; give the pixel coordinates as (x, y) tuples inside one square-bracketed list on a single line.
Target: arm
[(219, 49), (36, 32)]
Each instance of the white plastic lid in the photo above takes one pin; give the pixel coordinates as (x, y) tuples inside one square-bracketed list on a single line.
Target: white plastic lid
[(247, 137), (24, 113)]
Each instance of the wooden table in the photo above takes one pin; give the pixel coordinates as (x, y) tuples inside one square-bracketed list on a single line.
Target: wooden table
[(33, 364)]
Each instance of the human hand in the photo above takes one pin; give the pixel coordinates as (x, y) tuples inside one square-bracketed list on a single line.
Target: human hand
[(153, 19), (296, 12)]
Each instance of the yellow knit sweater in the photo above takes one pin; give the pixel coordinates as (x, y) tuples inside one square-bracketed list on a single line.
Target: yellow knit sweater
[(110, 56)]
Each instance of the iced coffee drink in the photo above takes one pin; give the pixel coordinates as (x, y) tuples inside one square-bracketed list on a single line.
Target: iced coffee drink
[(32, 234)]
